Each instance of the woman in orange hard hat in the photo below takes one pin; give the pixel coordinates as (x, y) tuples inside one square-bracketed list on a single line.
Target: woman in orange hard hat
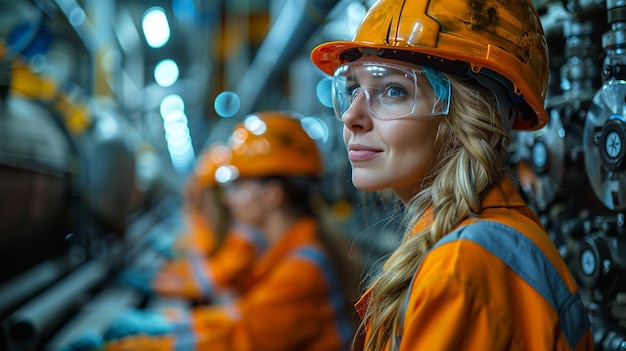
[(219, 253), (297, 295), (427, 92)]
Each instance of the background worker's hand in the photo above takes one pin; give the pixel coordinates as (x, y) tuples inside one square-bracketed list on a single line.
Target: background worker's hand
[(139, 322), (139, 279), (87, 341)]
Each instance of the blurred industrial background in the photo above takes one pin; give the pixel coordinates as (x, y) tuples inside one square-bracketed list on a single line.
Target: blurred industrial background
[(105, 106)]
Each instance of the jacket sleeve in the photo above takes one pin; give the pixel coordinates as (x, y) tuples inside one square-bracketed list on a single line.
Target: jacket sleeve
[(453, 304), (209, 278), (293, 296), (449, 314)]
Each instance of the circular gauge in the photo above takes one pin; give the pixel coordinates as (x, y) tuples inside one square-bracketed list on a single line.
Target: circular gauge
[(603, 140), (542, 152), (587, 262)]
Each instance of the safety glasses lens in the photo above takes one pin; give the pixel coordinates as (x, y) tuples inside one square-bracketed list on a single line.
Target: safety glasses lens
[(390, 91)]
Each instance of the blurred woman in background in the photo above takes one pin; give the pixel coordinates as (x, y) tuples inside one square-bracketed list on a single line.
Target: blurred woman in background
[(298, 294)]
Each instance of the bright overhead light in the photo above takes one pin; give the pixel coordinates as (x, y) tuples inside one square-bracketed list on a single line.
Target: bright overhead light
[(166, 73), (171, 103), (155, 27)]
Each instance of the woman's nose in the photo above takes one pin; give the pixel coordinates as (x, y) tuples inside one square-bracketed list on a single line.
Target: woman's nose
[(358, 114)]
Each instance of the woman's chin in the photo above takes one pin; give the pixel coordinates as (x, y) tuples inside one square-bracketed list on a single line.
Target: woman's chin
[(365, 184)]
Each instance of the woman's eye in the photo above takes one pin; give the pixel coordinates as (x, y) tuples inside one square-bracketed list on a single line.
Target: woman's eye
[(394, 91)]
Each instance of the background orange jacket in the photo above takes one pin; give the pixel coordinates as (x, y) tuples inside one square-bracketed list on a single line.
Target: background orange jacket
[(293, 302), (497, 284), (210, 278)]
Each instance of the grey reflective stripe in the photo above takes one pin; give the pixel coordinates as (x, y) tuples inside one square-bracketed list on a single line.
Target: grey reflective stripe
[(184, 335), (523, 257), (338, 301), (203, 276)]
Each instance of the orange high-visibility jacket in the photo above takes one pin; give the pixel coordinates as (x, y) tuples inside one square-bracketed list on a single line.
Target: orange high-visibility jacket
[(496, 283), (294, 302), (199, 238), (212, 278)]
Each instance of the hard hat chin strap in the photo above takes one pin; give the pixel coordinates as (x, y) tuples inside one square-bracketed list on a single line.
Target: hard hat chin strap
[(503, 101)]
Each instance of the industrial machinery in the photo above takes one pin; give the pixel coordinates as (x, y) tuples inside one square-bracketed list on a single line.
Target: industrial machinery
[(572, 170), (73, 194)]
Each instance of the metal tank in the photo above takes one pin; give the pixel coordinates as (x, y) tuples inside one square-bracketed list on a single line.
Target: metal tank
[(107, 180), (35, 170), (58, 187)]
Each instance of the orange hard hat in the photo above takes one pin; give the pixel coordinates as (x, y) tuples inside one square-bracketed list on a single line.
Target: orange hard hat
[(502, 40), (273, 143)]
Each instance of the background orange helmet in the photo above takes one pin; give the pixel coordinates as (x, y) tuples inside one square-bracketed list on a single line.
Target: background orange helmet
[(215, 155), (502, 40), (273, 144)]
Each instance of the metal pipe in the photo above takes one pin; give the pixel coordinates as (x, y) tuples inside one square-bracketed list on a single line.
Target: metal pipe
[(95, 316), (40, 314), (30, 282), (291, 30)]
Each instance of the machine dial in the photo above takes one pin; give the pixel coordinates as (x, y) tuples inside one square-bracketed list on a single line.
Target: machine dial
[(603, 140)]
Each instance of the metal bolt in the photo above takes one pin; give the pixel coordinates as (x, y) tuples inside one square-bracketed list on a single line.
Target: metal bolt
[(606, 266)]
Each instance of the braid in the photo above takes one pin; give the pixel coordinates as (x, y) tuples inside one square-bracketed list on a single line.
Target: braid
[(472, 143)]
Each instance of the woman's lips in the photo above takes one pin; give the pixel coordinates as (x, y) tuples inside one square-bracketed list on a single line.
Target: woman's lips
[(359, 153)]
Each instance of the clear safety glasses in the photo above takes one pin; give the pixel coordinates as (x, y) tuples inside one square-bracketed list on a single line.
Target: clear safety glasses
[(390, 91)]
